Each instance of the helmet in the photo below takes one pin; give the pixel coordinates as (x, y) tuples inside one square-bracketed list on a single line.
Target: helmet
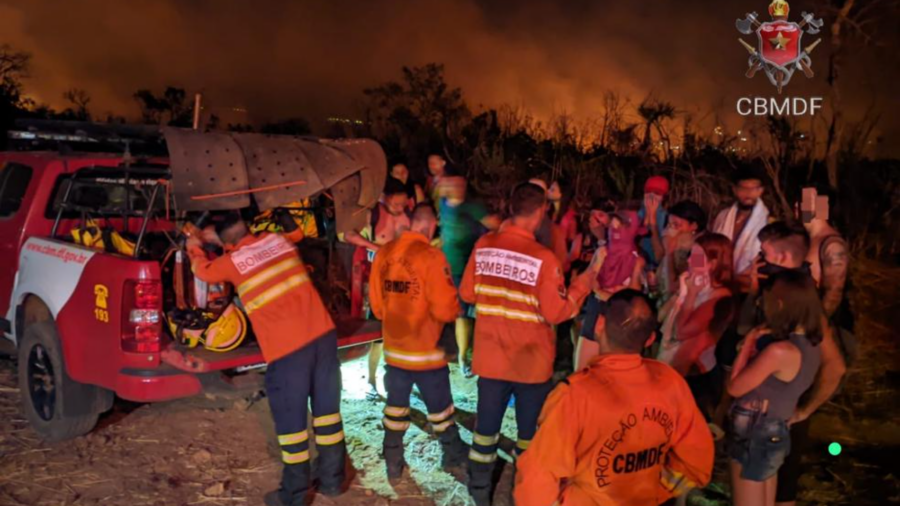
[(227, 332), (223, 333)]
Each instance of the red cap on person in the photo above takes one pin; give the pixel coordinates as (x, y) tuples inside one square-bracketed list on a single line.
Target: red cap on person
[(658, 185)]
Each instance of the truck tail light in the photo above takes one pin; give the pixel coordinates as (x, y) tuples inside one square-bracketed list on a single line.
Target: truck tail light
[(142, 316)]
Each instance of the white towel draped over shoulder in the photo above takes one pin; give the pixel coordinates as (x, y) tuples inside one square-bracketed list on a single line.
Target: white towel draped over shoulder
[(746, 247)]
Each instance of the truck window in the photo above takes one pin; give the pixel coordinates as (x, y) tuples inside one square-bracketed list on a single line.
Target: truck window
[(129, 200), (14, 180)]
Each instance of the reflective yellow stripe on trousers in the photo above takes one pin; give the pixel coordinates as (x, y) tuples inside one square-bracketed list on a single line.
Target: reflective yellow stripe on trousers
[(293, 439), (325, 421), (481, 457), (294, 458), (330, 439)]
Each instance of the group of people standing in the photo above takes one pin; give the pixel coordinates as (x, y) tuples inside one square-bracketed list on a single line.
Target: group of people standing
[(682, 334)]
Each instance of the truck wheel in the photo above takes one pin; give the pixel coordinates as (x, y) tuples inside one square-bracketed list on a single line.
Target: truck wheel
[(43, 382)]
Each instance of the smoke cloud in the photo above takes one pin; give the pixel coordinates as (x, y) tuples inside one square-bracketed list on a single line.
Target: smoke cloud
[(281, 58)]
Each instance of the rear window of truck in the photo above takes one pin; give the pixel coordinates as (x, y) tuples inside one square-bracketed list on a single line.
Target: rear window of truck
[(14, 180), (109, 194)]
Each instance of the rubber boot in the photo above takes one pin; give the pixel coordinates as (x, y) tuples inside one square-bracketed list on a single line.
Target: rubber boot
[(455, 451), (393, 454), (330, 468), (480, 477), (294, 486), (272, 499)]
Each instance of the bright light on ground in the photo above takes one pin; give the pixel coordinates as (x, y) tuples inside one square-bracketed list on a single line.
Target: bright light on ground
[(362, 426)]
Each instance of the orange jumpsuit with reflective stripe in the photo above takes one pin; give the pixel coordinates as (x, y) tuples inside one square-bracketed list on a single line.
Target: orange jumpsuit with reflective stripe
[(411, 291), (625, 430), (283, 305), (519, 291)]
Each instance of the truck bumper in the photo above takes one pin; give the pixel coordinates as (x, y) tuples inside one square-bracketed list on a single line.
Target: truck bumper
[(153, 385)]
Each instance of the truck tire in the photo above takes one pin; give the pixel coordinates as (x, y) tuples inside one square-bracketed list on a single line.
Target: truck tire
[(54, 404)]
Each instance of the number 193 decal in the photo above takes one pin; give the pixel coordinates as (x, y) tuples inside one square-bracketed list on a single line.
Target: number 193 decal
[(100, 312), (101, 315)]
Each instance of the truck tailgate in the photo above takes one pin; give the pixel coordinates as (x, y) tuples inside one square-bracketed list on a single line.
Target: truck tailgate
[(351, 332)]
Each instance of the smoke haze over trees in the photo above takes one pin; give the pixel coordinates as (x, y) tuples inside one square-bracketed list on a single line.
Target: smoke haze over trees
[(602, 94)]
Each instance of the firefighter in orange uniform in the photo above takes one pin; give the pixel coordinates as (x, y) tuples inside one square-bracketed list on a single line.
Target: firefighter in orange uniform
[(519, 291), (411, 291), (386, 221), (625, 430), (298, 341)]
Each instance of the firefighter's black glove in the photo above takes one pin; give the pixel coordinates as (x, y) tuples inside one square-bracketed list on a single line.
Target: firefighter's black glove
[(284, 218)]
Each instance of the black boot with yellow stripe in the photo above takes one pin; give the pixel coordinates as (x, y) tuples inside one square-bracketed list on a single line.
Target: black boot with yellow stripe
[(396, 422), (332, 452)]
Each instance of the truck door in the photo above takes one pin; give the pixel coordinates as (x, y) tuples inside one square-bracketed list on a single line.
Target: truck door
[(15, 180)]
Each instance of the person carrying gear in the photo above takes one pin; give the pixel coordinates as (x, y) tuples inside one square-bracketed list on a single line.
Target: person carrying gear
[(411, 291), (298, 341), (625, 430), (519, 292)]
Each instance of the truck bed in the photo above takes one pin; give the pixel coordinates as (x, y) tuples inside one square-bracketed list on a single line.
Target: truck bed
[(351, 333)]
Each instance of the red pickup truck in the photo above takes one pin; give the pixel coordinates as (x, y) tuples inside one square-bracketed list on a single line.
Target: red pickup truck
[(89, 324)]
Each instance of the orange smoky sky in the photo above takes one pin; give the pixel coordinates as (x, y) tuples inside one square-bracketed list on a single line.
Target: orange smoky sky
[(279, 58)]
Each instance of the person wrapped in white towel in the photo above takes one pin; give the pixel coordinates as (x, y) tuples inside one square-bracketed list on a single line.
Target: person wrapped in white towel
[(742, 221)]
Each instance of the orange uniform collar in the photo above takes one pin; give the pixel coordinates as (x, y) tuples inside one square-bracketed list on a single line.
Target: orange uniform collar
[(247, 239), (409, 235), (508, 227), (619, 362)]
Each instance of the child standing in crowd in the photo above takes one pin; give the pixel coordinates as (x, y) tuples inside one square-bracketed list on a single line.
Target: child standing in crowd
[(778, 361), (623, 265)]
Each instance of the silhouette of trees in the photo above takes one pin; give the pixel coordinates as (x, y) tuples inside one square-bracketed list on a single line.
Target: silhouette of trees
[(422, 109), (79, 100), (169, 108), (14, 67)]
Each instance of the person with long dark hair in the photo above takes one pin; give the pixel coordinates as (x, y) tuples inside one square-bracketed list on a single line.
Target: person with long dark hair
[(414, 191), (591, 234), (777, 363)]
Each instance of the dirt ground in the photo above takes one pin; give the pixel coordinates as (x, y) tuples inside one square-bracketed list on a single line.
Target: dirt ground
[(217, 450), (220, 449)]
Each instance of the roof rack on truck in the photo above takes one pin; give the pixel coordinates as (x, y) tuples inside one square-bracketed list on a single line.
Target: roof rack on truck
[(82, 136)]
